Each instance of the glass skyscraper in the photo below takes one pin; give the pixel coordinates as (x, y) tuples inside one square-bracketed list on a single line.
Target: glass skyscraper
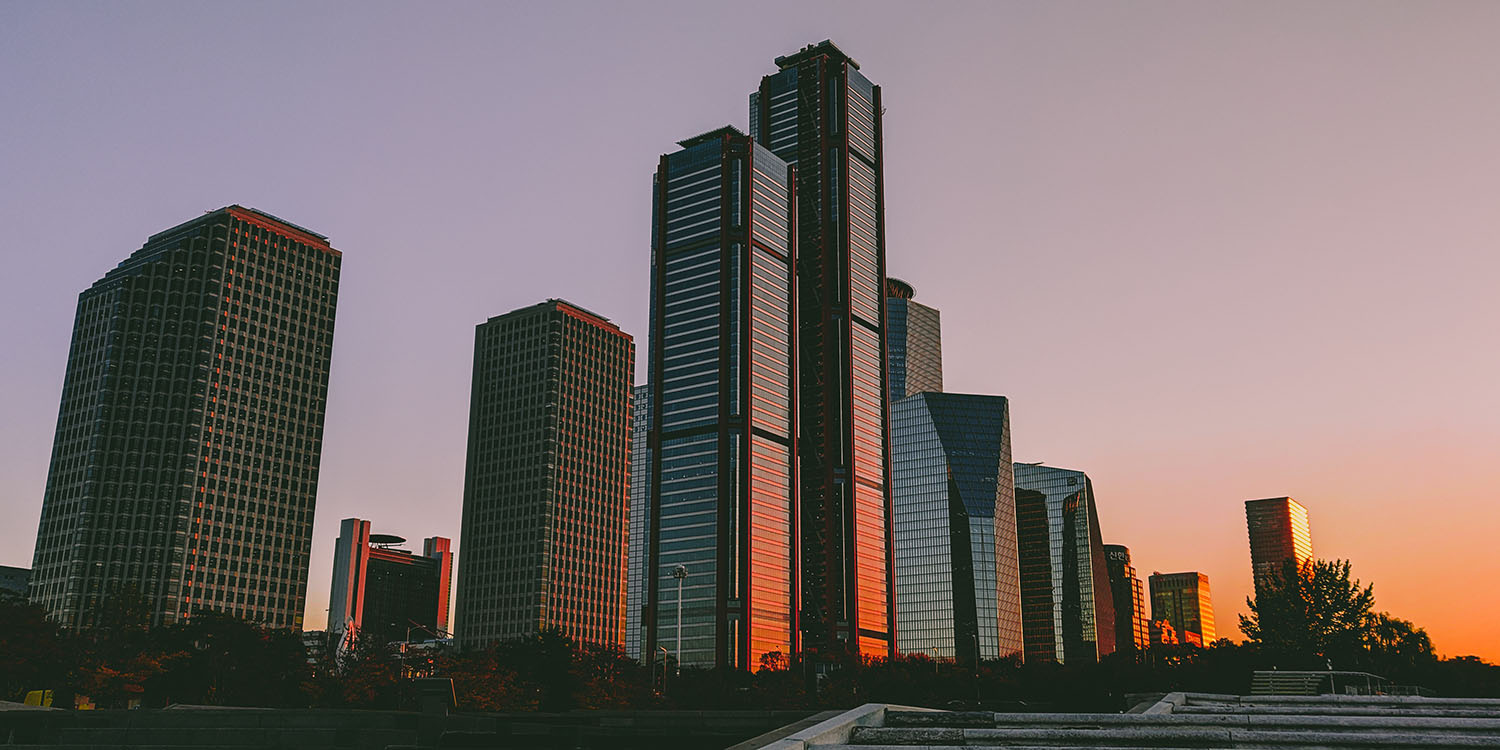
[(1278, 532), (722, 373), (1131, 633), (1183, 599), (1067, 607), (185, 463), (640, 518), (546, 481), (957, 584), (913, 341), (819, 114)]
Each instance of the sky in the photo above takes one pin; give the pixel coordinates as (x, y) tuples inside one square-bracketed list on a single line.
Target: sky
[(1211, 251)]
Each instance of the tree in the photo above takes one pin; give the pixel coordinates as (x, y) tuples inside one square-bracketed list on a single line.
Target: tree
[(1310, 616), (34, 653), (1398, 648)]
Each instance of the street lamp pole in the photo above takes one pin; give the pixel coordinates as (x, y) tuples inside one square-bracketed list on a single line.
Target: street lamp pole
[(680, 572)]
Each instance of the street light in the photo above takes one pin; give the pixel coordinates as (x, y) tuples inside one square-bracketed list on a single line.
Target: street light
[(680, 572)]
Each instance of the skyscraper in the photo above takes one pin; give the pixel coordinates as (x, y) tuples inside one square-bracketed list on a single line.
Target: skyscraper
[(957, 585), (1064, 578), (913, 341), (185, 463), (1278, 533), (1183, 599), (546, 485), (640, 518), (382, 590), (821, 115), (722, 441), (1131, 631)]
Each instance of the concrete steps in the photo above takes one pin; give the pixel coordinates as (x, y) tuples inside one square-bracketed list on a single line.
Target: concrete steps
[(1179, 720)]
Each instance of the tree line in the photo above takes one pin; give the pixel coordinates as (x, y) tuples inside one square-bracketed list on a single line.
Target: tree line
[(1311, 617)]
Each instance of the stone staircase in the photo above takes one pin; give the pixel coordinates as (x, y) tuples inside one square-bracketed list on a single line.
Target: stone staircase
[(1180, 720)]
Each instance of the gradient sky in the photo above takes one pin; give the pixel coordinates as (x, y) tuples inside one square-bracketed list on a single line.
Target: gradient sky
[(1212, 251)]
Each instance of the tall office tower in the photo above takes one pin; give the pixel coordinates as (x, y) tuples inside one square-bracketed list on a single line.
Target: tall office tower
[(1278, 533), (957, 585), (640, 518), (913, 343), (821, 115), (546, 485), (384, 591), (722, 373), (1064, 578), (185, 464), (1131, 631), (1183, 600)]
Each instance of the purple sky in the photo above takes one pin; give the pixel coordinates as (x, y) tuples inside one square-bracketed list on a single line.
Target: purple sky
[(1212, 251)]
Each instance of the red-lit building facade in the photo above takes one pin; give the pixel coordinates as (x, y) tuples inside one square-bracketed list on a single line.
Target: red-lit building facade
[(722, 440), (821, 115), (1278, 533), (387, 592)]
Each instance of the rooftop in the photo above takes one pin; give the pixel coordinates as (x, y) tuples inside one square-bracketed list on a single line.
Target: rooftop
[(712, 135), (825, 47)]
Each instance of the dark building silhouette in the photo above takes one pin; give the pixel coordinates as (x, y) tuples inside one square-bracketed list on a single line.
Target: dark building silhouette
[(385, 592), (957, 584), (1183, 599), (640, 519), (1131, 631), (1034, 562), (185, 464), (1278, 533), (821, 115), (14, 580), (546, 484), (914, 343), (1078, 600), (722, 443)]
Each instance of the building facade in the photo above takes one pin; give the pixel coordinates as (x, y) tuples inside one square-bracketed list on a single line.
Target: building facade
[(1067, 606), (1183, 599), (913, 343), (185, 464), (957, 582), (385, 592), (1132, 633), (821, 115), (1278, 533), (722, 440), (546, 483), (640, 519)]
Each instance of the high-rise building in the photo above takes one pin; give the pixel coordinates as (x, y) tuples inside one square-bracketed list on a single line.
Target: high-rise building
[(640, 519), (957, 585), (1131, 630), (385, 592), (722, 373), (1183, 599), (185, 464), (546, 484), (913, 343), (822, 116), (1278, 533), (1068, 610)]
